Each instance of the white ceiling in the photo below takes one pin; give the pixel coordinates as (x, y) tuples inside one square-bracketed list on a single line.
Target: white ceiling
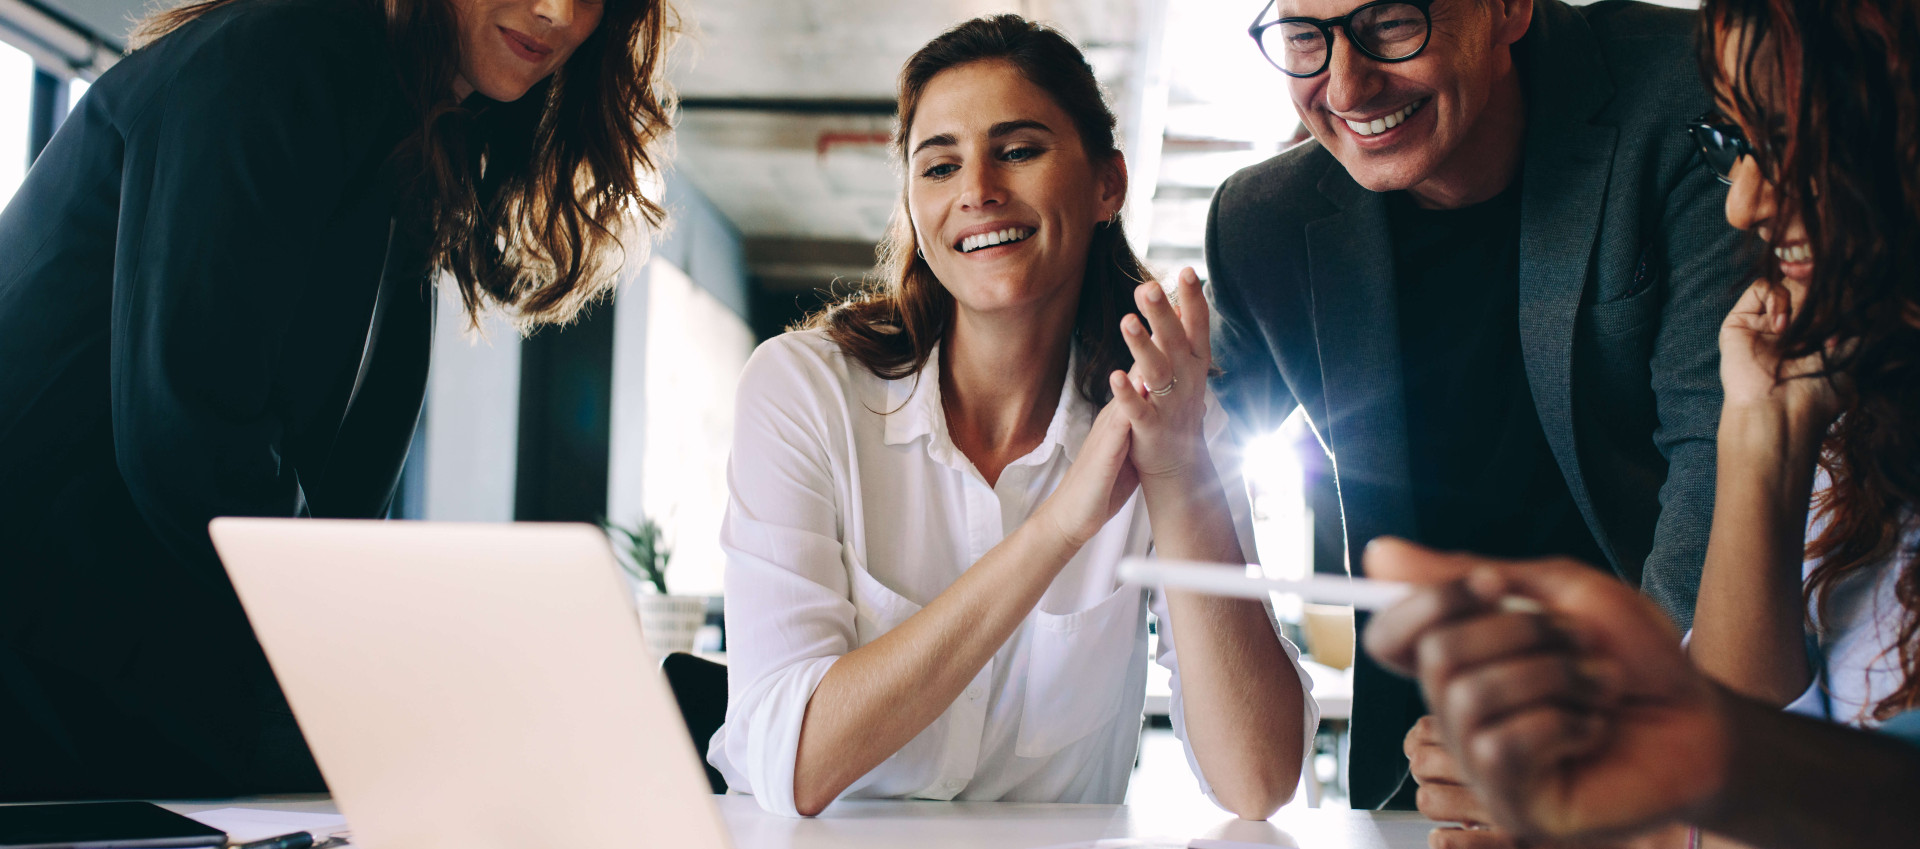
[(789, 102), (1195, 100)]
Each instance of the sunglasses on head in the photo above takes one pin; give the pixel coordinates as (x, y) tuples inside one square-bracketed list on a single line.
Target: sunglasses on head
[(1721, 144)]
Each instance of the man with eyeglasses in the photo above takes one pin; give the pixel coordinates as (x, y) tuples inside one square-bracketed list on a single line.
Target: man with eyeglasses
[(1494, 281)]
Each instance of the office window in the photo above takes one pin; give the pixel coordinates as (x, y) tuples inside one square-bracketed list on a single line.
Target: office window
[(76, 88), (16, 114)]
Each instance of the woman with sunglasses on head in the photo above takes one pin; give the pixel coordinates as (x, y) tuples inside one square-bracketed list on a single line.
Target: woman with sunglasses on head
[(1574, 726), (932, 486), (215, 299)]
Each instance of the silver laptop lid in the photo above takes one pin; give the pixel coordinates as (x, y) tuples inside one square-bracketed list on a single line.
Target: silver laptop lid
[(472, 686)]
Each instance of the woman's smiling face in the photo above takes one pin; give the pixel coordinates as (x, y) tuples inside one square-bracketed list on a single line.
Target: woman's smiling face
[(1753, 199), (508, 46), (1001, 192)]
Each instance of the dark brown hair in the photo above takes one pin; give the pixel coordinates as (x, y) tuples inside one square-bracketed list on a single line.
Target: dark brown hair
[(893, 325), (1832, 87), (567, 164)]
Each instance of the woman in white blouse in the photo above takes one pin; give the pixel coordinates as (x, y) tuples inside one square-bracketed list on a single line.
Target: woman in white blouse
[(931, 491)]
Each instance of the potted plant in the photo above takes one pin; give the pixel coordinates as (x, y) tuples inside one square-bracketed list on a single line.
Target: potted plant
[(669, 621)]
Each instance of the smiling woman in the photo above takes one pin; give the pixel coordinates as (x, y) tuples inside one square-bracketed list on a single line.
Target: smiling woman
[(216, 299), (933, 486)]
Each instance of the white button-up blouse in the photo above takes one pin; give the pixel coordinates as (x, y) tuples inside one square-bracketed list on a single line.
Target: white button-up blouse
[(849, 509)]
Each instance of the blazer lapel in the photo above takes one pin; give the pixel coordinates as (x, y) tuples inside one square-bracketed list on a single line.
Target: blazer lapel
[(1357, 331), (1565, 174)]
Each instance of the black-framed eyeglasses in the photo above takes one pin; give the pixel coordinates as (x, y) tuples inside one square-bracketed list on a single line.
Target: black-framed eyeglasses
[(1721, 145), (1384, 30)]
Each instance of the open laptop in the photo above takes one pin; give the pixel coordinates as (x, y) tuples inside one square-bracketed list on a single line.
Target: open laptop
[(472, 686)]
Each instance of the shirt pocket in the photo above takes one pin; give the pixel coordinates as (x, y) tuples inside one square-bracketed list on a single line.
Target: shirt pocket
[(877, 609), (1077, 671)]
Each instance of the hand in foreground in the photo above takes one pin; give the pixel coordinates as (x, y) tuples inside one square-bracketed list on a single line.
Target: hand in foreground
[(1164, 397), (1585, 721), (1101, 479), (1446, 797), (1749, 340)]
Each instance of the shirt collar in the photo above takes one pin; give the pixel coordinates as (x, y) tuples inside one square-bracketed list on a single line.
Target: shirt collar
[(914, 410)]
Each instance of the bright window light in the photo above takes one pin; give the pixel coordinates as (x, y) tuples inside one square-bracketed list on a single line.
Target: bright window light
[(76, 89), (16, 110), (1282, 521)]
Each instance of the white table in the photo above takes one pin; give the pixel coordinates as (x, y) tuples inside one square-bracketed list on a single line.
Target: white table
[(1004, 825)]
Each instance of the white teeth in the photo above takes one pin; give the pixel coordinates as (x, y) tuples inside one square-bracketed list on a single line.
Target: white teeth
[(997, 237), (1381, 125), (1794, 253)]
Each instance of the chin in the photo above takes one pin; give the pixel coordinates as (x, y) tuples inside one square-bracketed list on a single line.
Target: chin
[(504, 91), (1387, 176)]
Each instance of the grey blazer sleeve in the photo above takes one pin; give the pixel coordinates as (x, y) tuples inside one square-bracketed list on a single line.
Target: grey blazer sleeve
[(1249, 385), (1703, 281)]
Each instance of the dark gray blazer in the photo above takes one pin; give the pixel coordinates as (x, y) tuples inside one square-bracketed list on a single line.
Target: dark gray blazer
[(1627, 267), (198, 274)]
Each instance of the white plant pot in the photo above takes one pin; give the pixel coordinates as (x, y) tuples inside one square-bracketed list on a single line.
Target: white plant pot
[(671, 621)]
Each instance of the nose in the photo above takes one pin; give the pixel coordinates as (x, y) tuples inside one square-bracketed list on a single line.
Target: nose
[(1351, 78), (557, 13), (1749, 201), (982, 186)]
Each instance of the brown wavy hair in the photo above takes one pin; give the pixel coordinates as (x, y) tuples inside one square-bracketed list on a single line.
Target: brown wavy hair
[(902, 312), (540, 234), (1835, 87)]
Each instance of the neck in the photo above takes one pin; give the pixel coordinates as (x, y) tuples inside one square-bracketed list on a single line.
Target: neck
[(1486, 162), (1000, 381)]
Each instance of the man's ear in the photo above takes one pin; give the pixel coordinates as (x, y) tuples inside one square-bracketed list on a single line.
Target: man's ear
[(1510, 21), (1112, 178)]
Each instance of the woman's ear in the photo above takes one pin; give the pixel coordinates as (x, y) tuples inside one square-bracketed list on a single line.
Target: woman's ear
[(1111, 177)]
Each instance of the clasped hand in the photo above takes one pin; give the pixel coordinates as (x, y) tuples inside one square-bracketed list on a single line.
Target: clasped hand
[(1751, 371), (1152, 433)]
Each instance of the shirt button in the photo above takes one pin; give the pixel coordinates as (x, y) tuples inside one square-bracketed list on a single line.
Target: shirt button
[(954, 785), (973, 692)]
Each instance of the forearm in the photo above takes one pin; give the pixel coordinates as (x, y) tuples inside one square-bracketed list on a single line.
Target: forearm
[(1747, 630), (1244, 706), (1794, 782), (877, 698)]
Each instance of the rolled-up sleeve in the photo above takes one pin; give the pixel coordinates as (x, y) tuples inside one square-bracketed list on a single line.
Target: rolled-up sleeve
[(788, 612), (1226, 461)]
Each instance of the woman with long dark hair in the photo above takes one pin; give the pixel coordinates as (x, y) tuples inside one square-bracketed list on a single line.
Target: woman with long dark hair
[(215, 299), (1590, 722), (933, 484)]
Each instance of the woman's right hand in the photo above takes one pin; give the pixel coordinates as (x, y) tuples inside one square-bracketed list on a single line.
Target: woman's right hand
[(1101, 479), (1749, 362)]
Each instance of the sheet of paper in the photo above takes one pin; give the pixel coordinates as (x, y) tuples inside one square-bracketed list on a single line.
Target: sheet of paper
[(247, 824)]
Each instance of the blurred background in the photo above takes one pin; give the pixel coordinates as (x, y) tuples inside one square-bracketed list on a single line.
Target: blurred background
[(780, 187)]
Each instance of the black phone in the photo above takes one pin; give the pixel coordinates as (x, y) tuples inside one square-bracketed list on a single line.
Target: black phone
[(101, 825)]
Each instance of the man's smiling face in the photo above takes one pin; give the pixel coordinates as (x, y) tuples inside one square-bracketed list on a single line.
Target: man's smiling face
[(1433, 100)]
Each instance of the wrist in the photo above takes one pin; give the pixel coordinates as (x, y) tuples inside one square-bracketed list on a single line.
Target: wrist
[(1052, 534), (1771, 425), (1727, 764)]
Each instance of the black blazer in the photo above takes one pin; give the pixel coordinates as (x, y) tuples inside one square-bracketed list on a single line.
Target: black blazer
[(201, 269), (1627, 268)]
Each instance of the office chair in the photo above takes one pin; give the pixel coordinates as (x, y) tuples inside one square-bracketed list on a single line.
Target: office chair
[(700, 686)]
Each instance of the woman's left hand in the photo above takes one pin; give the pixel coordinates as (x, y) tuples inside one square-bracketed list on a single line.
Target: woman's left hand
[(1164, 396)]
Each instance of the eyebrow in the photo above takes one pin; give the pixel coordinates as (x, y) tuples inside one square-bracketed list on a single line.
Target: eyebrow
[(1004, 128)]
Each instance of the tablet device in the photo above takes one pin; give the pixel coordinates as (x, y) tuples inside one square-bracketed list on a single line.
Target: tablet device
[(101, 825)]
